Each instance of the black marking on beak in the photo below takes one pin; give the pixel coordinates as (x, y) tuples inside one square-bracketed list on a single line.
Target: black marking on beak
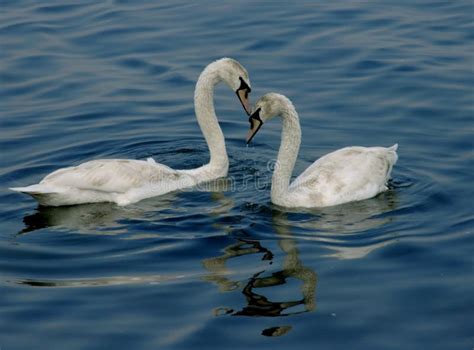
[(243, 85), (255, 124), (243, 95)]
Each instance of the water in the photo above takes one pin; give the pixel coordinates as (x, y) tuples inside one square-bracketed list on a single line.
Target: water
[(224, 268)]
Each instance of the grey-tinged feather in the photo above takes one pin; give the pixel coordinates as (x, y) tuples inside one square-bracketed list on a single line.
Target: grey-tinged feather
[(111, 175)]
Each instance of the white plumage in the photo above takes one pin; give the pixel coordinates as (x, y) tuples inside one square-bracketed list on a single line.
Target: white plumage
[(346, 175), (125, 181), (121, 181)]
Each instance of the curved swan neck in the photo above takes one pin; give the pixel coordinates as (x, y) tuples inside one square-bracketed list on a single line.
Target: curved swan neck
[(206, 117), (289, 147)]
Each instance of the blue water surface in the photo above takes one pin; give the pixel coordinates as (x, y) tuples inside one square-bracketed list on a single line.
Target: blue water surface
[(223, 268)]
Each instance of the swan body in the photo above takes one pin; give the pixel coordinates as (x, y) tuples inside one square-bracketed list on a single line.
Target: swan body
[(126, 181), (346, 175)]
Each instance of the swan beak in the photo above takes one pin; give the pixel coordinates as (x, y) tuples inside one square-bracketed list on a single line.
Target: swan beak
[(255, 125), (243, 95)]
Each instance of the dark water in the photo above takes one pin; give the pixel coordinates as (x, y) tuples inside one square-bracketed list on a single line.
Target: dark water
[(224, 268)]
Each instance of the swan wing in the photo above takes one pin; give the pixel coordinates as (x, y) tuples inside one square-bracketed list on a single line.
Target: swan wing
[(351, 173), (111, 175)]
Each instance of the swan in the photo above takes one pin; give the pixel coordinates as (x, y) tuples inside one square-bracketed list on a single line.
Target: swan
[(346, 175), (126, 181)]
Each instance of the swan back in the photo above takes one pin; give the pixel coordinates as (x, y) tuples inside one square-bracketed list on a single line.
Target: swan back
[(348, 174), (106, 180)]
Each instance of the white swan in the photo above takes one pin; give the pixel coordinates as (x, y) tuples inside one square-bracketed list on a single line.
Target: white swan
[(126, 181), (346, 175)]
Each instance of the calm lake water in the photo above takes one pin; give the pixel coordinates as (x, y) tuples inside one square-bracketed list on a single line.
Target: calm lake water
[(224, 268)]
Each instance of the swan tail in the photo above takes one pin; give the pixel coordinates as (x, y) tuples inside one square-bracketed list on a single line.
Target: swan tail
[(45, 195), (150, 160), (392, 158), (392, 153), (33, 190), (394, 148)]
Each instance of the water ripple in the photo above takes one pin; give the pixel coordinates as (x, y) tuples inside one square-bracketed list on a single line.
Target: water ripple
[(220, 266)]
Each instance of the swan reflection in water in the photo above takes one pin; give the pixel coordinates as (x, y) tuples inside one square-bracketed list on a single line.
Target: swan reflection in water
[(83, 218), (107, 218), (257, 304), (348, 231), (335, 229), (352, 230)]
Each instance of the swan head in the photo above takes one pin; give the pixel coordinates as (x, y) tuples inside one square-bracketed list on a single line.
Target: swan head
[(236, 76), (268, 106)]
